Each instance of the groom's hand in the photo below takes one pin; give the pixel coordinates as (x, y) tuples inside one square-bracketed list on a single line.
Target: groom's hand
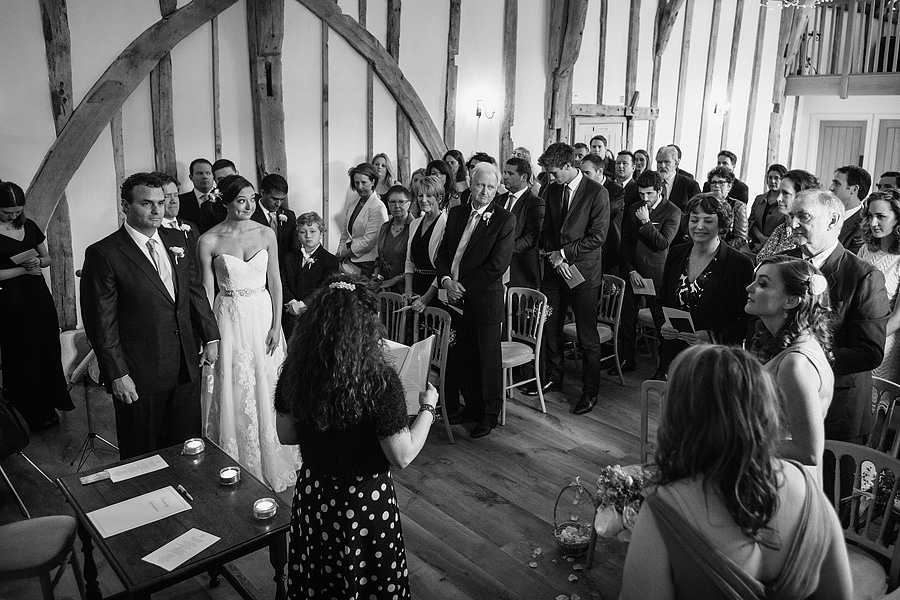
[(124, 390), (209, 354)]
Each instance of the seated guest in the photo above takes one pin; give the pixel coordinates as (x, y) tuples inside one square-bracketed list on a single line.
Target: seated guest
[(459, 176), (362, 220), (739, 190), (270, 212), (729, 519), (528, 209), (706, 278), (306, 269), (387, 174), (764, 215), (425, 235), (890, 180), (648, 229), (860, 305), (393, 239), (201, 175), (793, 338), (720, 181), (593, 168), (678, 169), (782, 238), (851, 185), (441, 170), (214, 212)]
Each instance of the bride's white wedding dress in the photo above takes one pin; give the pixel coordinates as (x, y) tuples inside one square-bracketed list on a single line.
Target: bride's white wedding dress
[(238, 391)]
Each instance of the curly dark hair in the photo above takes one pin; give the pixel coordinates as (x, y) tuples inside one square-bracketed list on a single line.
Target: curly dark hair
[(892, 197), (710, 204), (721, 422), (812, 315), (335, 368)]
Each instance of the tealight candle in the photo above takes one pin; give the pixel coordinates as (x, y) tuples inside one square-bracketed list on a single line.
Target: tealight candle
[(193, 446), (264, 508), (229, 475)]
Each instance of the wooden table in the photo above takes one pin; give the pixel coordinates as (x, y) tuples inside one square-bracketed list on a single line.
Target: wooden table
[(223, 511)]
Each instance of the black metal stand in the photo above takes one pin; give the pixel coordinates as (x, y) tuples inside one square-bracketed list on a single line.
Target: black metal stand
[(87, 447)]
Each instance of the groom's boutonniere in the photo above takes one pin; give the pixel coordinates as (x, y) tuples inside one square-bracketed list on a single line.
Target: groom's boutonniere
[(282, 218), (177, 252), (486, 217), (184, 227)]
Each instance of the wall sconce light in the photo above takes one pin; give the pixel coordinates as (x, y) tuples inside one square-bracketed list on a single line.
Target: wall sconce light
[(482, 110), (721, 108)]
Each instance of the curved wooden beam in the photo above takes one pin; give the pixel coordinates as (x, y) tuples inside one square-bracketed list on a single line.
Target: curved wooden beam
[(106, 96), (387, 70)]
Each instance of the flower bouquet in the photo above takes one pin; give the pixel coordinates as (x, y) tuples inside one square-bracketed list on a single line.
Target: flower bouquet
[(617, 500)]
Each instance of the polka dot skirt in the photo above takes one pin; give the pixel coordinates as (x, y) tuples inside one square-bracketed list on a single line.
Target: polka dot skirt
[(346, 540)]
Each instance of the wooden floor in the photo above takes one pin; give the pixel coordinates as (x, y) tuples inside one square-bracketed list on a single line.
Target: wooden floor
[(474, 514)]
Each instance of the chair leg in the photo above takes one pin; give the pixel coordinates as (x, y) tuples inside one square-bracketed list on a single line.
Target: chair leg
[(618, 362), (76, 571), (540, 387), (444, 415), (507, 380), (46, 586)]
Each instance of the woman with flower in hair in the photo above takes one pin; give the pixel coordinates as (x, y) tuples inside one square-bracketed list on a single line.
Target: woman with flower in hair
[(729, 518), (790, 297), (343, 402)]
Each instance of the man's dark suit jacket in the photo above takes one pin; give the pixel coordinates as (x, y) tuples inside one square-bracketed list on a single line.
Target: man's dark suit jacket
[(645, 247), (525, 268), (286, 230), (486, 258), (739, 190), (581, 234), (685, 173), (612, 246), (851, 236), (211, 214), (131, 321), (631, 192), (188, 207), (860, 311), (298, 283), (683, 189)]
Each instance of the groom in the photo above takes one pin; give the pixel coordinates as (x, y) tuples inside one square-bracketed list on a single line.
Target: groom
[(140, 309)]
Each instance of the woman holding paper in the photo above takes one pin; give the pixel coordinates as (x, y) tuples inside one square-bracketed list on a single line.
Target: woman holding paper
[(340, 399), (29, 338), (705, 280)]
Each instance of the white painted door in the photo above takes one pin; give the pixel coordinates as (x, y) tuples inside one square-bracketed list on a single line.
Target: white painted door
[(887, 152), (612, 128), (840, 143)]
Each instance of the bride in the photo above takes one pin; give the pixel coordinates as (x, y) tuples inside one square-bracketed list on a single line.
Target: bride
[(238, 391)]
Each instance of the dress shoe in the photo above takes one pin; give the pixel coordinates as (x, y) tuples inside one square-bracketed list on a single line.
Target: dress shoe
[(482, 429), (660, 375), (627, 367), (585, 404), (549, 386), (463, 415)]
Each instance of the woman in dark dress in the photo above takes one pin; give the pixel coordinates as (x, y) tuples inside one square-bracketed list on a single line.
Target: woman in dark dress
[(425, 234), (393, 241), (29, 338), (343, 402)]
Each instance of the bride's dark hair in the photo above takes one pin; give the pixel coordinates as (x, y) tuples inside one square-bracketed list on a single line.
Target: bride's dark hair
[(335, 369), (231, 186)]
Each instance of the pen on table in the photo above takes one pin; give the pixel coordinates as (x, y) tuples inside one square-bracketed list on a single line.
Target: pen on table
[(184, 492)]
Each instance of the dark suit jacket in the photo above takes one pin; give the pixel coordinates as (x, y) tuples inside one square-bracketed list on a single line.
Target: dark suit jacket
[(612, 247), (298, 283), (286, 230), (189, 208), (486, 258), (211, 214), (739, 190), (645, 247), (683, 189), (631, 192), (720, 309), (131, 321), (685, 173), (851, 236), (581, 234), (860, 311), (525, 268)]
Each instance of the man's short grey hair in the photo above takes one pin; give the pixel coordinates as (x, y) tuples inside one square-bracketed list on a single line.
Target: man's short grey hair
[(668, 150), (825, 199), (484, 167)]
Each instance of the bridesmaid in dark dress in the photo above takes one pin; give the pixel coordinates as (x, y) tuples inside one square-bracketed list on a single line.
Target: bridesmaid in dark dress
[(33, 378), (393, 241), (425, 235)]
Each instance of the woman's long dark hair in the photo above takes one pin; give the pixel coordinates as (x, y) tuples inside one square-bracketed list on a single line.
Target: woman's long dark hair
[(335, 369), (721, 423), (12, 196), (460, 174), (892, 197), (811, 316), (444, 168), (231, 186)]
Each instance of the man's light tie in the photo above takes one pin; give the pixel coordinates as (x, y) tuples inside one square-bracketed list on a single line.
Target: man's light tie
[(463, 242), (162, 267), (273, 222)]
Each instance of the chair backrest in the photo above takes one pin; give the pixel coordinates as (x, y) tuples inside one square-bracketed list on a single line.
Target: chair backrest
[(526, 312), (609, 304), (882, 437), (868, 514), (650, 388), (394, 322), (436, 322)]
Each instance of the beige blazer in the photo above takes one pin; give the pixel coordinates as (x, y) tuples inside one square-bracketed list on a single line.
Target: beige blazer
[(364, 237)]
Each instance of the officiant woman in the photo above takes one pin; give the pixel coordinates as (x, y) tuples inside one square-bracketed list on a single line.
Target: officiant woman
[(29, 337)]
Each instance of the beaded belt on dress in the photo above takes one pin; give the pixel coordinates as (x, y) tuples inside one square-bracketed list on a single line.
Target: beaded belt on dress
[(426, 271), (243, 292)]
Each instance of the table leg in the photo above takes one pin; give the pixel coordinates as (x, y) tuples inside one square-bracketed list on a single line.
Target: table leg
[(90, 567), (278, 558)]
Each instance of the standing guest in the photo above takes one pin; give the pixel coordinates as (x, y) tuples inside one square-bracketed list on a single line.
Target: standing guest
[(881, 219), (782, 238), (575, 226), (720, 181), (340, 399), (214, 212), (626, 176), (476, 158), (425, 235), (29, 338), (851, 185), (535, 183), (860, 305), (600, 147), (641, 163), (593, 168), (201, 175), (387, 175), (456, 162), (238, 414), (416, 176), (678, 188), (393, 240), (473, 256), (581, 150), (728, 518), (441, 170), (306, 269), (647, 233), (890, 180), (271, 212), (528, 209), (790, 297), (171, 220), (363, 217), (739, 191), (137, 288), (764, 215), (707, 278)]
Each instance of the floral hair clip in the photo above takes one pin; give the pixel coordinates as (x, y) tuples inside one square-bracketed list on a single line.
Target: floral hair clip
[(817, 284), (342, 285)]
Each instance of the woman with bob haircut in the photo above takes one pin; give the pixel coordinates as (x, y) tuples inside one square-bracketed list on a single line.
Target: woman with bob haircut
[(728, 518), (425, 235), (340, 398)]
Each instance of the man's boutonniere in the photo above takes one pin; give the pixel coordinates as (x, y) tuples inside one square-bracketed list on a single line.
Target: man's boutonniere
[(282, 219), (184, 227), (310, 262), (486, 217), (177, 252)]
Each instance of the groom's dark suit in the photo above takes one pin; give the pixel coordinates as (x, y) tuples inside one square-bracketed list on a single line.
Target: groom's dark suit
[(136, 329)]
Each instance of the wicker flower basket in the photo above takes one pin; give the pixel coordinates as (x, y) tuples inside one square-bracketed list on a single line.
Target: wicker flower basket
[(572, 537)]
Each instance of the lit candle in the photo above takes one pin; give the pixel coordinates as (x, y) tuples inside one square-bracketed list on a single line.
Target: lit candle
[(193, 446), (264, 508), (229, 475)]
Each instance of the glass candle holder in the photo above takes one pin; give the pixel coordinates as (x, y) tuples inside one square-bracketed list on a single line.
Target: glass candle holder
[(265, 508), (193, 446), (230, 475)]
